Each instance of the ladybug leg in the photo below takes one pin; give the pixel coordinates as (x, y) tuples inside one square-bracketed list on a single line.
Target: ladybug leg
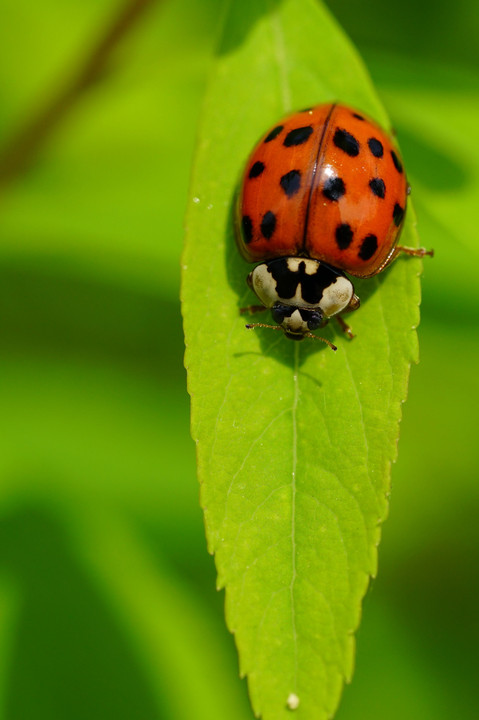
[(416, 252), (345, 327), (252, 309), (354, 303)]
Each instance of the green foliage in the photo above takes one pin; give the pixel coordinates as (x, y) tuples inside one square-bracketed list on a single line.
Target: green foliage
[(107, 600), (294, 443)]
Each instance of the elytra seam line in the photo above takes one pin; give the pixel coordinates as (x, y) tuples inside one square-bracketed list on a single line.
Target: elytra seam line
[(320, 147)]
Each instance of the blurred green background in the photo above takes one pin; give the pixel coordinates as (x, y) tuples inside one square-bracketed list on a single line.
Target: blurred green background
[(107, 599)]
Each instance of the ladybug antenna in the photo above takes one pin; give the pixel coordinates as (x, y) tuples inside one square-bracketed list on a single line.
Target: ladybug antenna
[(278, 327), (255, 325), (317, 337)]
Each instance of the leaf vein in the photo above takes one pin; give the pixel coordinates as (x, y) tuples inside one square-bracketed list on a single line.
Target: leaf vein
[(293, 506), (280, 53), (247, 455)]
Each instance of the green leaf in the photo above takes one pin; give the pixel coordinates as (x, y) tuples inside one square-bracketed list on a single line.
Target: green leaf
[(294, 442)]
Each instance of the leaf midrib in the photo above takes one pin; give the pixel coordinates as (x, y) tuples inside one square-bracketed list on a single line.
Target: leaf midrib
[(286, 100), (293, 507)]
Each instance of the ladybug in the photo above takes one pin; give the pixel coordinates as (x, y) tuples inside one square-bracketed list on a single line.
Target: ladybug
[(323, 194)]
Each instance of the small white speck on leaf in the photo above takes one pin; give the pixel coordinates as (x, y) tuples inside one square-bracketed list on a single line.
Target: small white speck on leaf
[(196, 200), (292, 702)]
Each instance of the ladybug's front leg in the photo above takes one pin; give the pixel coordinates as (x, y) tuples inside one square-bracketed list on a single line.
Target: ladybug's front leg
[(354, 303), (252, 309), (345, 327)]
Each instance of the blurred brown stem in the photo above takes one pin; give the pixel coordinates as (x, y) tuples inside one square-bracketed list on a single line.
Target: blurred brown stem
[(23, 147)]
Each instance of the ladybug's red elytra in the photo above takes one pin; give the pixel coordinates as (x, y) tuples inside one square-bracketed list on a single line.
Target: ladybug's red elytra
[(324, 192)]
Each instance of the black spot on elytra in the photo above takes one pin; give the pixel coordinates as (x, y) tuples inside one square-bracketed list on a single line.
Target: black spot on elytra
[(291, 182), (247, 226), (378, 187), (312, 286), (268, 224), (298, 136), (396, 161), (376, 147), (358, 116), (346, 142), (334, 188), (368, 247), (274, 133), (344, 236), (256, 169), (398, 214)]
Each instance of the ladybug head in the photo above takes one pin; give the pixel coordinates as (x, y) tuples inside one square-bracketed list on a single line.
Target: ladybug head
[(302, 293), (296, 322)]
